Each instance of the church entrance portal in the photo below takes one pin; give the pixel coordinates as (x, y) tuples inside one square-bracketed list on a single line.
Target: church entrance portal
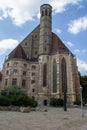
[(45, 102)]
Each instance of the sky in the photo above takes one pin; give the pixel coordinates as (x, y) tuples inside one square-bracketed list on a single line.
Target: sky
[(69, 21)]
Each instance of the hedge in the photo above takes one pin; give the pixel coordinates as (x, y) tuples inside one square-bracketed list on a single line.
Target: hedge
[(56, 102)]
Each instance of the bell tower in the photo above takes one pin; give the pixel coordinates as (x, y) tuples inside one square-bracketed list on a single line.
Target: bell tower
[(44, 51), (45, 29)]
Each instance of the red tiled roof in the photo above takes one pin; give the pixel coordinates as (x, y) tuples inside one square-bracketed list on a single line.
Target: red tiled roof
[(18, 52), (57, 44)]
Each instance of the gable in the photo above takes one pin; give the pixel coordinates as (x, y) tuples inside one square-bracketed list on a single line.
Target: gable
[(57, 45), (18, 52)]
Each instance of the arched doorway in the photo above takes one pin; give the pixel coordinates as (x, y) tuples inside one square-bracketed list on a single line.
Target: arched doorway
[(45, 102)]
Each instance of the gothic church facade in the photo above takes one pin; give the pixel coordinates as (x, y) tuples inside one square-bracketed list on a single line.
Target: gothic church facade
[(42, 65)]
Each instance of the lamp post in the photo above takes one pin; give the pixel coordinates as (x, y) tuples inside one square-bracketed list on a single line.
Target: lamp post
[(82, 111), (65, 99)]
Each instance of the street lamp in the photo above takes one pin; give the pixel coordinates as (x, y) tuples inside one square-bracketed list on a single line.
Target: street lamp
[(82, 111), (65, 99)]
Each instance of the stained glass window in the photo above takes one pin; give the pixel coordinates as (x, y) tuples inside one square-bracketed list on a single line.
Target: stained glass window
[(54, 76), (64, 75), (44, 74)]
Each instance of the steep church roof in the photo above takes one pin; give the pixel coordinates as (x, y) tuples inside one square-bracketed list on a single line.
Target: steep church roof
[(18, 52), (57, 44)]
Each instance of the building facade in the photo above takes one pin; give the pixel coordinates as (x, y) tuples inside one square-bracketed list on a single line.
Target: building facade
[(0, 79), (42, 65)]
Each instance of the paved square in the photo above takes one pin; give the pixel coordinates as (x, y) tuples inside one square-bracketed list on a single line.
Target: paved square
[(54, 119)]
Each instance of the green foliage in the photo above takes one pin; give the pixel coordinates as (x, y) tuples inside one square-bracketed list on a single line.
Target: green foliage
[(56, 102), (77, 102), (11, 91), (83, 82), (4, 101), (16, 97), (32, 102)]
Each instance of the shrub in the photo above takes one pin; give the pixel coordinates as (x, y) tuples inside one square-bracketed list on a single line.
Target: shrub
[(60, 102), (3, 93), (16, 97), (4, 101), (10, 91), (19, 100), (84, 101), (33, 103), (77, 102), (56, 102)]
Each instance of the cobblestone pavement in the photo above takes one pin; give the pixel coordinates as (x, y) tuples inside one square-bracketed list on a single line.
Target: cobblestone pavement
[(53, 119)]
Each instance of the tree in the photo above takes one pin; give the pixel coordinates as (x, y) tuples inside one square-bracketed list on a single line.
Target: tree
[(83, 82)]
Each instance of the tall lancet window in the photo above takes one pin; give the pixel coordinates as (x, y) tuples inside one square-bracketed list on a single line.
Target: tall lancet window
[(54, 76), (44, 74), (64, 75)]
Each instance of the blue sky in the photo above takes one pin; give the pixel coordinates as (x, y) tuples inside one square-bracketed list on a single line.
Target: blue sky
[(19, 17)]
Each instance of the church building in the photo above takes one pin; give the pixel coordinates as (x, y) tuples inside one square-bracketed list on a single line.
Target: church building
[(42, 65)]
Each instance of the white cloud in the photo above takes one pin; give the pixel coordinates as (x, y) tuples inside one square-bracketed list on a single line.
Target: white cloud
[(58, 30), (70, 44), (21, 11), (80, 51), (38, 15), (7, 44), (77, 51), (82, 65), (60, 5), (78, 25)]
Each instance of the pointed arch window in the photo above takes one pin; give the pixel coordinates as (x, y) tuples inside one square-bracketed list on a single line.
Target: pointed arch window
[(42, 13), (46, 12), (44, 74), (64, 75), (54, 76), (49, 13)]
